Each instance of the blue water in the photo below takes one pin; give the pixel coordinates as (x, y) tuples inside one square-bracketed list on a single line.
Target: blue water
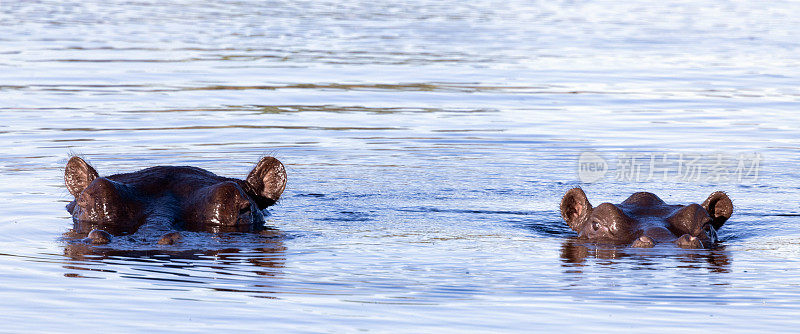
[(427, 146)]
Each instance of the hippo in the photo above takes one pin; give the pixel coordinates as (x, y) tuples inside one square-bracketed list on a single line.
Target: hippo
[(643, 220), (189, 198)]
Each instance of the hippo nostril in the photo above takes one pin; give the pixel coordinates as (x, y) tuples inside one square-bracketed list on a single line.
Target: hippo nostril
[(595, 225)]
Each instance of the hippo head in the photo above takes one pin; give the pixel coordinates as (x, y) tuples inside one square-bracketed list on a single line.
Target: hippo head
[(643, 220), (186, 197), (100, 202)]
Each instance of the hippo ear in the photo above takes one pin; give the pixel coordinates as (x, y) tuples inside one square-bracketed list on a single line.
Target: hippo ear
[(78, 175), (268, 179), (575, 208), (719, 207)]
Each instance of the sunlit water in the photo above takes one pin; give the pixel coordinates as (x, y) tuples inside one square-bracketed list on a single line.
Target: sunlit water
[(427, 146)]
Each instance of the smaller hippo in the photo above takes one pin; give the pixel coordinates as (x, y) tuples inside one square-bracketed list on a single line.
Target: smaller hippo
[(188, 198), (643, 220)]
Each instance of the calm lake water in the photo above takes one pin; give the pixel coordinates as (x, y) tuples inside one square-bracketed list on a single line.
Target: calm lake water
[(428, 145)]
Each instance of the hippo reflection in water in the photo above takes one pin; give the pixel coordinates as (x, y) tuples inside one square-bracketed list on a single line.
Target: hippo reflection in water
[(190, 198), (574, 254), (643, 220)]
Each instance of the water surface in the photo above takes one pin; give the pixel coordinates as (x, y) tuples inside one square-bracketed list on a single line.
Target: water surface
[(427, 144)]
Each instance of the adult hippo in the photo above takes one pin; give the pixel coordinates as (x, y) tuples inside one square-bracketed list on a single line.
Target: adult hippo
[(643, 220), (190, 198)]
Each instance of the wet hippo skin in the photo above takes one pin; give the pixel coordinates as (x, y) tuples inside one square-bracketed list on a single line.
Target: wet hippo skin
[(189, 198), (644, 220)]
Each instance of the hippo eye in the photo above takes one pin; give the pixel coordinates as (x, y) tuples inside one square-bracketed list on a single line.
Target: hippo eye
[(595, 225)]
